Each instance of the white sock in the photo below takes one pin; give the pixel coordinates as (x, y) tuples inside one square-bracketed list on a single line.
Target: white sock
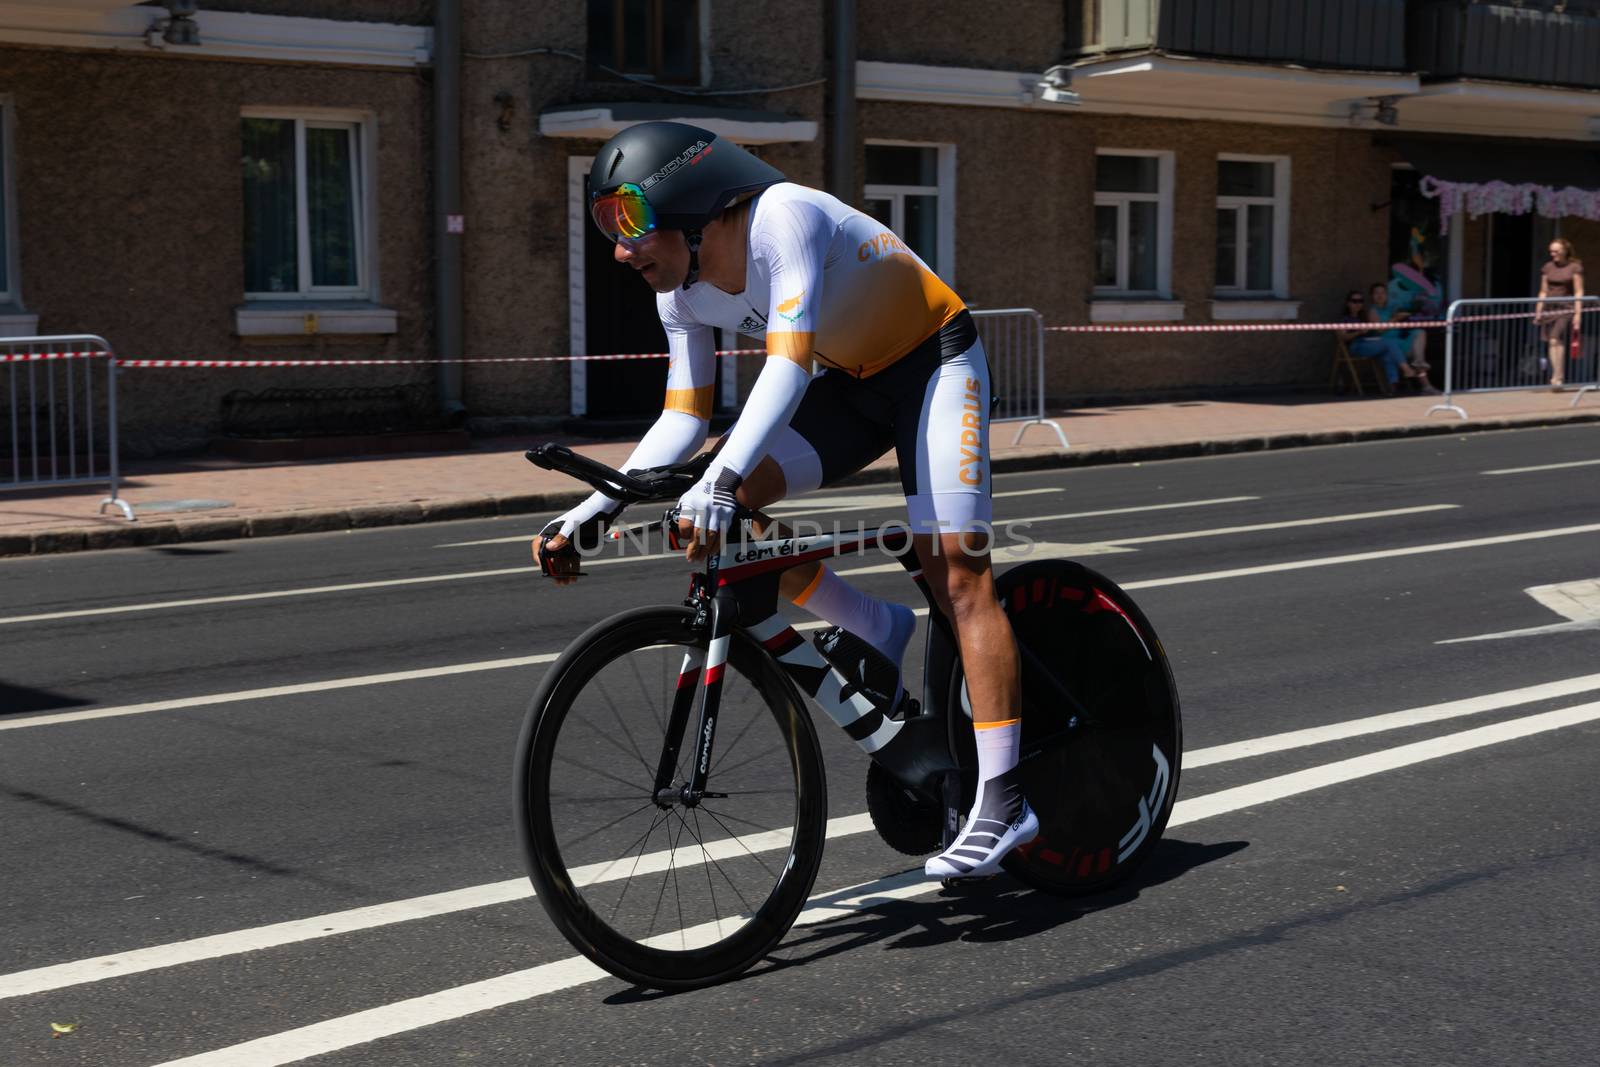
[(1000, 818), (832, 599), (999, 745)]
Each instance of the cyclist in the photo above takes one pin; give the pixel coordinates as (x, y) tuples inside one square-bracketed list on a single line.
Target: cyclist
[(725, 240)]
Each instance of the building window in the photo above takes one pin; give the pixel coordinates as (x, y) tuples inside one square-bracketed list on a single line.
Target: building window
[(656, 39), (1252, 226), (910, 188), (307, 189), (1133, 223)]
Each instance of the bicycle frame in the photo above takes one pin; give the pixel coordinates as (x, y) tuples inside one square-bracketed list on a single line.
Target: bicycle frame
[(741, 583), (740, 587)]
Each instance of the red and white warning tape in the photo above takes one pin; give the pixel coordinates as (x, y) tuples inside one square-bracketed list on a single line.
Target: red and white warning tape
[(1276, 327), (256, 364)]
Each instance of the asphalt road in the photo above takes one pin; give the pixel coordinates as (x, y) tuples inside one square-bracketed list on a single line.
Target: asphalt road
[(254, 796)]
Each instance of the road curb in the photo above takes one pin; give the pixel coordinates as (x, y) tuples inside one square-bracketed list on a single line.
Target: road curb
[(276, 524)]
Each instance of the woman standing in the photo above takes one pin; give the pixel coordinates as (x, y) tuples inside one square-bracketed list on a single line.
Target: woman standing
[(1561, 277)]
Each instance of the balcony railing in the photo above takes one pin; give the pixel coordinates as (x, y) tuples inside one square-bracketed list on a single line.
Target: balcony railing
[(1502, 42), (1340, 34)]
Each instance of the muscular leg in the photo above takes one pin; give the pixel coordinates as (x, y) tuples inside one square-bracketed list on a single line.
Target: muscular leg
[(962, 582)]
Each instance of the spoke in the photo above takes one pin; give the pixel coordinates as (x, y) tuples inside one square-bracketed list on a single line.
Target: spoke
[(755, 718), (712, 862), (711, 887), (677, 890), (617, 715), (607, 826), (726, 829), (755, 792), (662, 895), (612, 741), (600, 799), (628, 881), (604, 774), (644, 690), (745, 763)]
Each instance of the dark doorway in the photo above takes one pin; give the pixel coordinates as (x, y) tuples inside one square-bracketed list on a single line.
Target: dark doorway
[(620, 316), (1516, 252), (1511, 245)]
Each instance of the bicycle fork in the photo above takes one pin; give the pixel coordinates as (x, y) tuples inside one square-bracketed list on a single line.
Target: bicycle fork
[(712, 663)]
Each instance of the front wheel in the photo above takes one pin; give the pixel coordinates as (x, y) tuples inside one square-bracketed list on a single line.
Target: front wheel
[(1102, 780), (660, 892)]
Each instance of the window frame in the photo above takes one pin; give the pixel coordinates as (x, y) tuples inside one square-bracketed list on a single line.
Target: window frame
[(944, 194), (1239, 205), (1163, 199), (700, 40), (362, 126)]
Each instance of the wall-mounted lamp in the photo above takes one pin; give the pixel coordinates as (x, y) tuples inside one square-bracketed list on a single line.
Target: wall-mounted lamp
[(178, 28), (1380, 109), (508, 108), (1055, 86)]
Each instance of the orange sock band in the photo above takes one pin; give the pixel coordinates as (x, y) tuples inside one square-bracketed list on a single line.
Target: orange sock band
[(811, 587), (995, 725)]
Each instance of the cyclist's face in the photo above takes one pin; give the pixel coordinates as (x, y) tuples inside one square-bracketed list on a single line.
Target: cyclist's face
[(661, 258)]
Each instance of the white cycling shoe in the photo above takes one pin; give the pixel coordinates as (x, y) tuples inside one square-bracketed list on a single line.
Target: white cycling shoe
[(1000, 821)]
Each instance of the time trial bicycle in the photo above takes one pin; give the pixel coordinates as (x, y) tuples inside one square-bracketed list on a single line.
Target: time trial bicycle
[(669, 789)]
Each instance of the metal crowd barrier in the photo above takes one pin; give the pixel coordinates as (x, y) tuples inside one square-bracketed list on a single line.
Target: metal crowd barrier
[(1496, 344), (1013, 339), (56, 429)]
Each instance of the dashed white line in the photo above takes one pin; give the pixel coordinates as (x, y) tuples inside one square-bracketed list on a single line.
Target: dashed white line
[(360, 1028), (156, 957), (1362, 557), (350, 587), (1545, 467)]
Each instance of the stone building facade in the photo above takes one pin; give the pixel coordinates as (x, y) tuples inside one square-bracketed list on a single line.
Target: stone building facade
[(1040, 162)]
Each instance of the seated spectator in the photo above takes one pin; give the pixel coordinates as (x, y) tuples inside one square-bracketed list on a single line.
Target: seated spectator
[(1380, 310), (1364, 345)]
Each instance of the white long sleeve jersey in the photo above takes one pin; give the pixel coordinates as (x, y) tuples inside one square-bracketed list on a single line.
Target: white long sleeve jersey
[(823, 282)]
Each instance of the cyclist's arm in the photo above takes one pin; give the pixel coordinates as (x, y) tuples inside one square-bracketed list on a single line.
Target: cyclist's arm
[(790, 247), (676, 435)]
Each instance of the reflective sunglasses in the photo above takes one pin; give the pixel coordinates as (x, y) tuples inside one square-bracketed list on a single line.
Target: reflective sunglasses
[(623, 213)]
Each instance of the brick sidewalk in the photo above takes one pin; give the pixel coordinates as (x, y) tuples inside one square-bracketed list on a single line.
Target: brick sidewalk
[(262, 500)]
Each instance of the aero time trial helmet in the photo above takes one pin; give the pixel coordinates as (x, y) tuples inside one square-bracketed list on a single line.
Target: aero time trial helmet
[(670, 176)]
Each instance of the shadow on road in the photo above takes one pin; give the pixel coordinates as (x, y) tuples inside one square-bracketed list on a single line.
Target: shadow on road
[(1000, 910), (16, 699)]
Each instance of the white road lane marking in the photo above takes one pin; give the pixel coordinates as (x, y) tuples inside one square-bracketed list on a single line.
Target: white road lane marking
[(1545, 467), (208, 699), (134, 961), (1577, 602), (1068, 550), (234, 598), (1013, 554), (56, 718), (348, 587), (346, 1031), (1287, 785), (1362, 557), (1394, 720), (275, 935), (1149, 583), (798, 506)]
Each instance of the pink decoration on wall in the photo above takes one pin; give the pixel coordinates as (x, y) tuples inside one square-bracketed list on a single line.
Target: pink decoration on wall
[(1481, 198)]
